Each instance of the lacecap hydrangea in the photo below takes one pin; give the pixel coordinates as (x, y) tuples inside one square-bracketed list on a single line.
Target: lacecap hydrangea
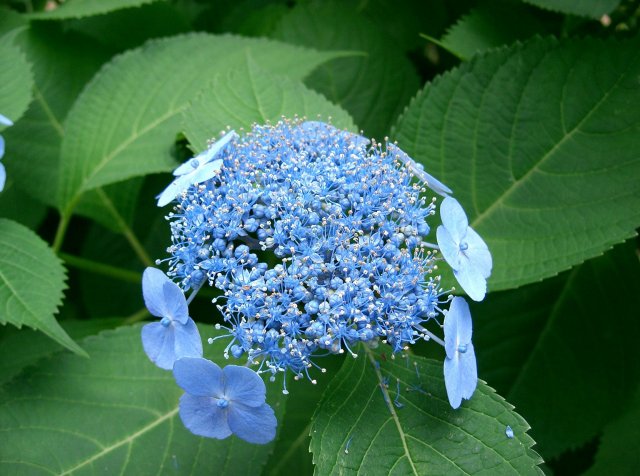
[(346, 221)]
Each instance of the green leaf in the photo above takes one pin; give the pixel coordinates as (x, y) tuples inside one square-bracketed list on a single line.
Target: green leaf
[(24, 347), (425, 436), (113, 206), (71, 404), (246, 95), (16, 80), (586, 8), (373, 87), (18, 206), (544, 162), (85, 8), (125, 121), (571, 341), (489, 26), (32, 279), (618, 451), (62, 63), (129, 28)]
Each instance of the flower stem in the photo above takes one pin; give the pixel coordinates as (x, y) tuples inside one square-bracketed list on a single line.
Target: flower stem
[(101, 268)]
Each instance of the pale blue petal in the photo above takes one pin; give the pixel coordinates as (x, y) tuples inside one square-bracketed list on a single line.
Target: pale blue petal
[(454, 219), (3, 177), (188, 342), (175, 304), (472, 281), (158, 343), (449, 248), (203, 417), (464, 327), (187, 167), (451, 330), (217, 147), (152, 282), (174, 189), (434, 184), (243, 385), (4, 120), (468, 372), (199, 377), (452, 381), (418, 170), (206, 172), (253, 424), (478, 253)]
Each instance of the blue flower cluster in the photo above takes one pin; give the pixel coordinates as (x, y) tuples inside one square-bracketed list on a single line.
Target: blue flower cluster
[(316, 238), (347, 223)]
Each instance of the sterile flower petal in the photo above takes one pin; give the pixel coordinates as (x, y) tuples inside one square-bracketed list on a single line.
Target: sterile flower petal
[(199, 377), (203, 417), (244, 385), (158, 343), (253, 424)]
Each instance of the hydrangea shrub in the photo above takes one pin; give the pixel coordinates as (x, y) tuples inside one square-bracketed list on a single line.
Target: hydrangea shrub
[(318, 237)]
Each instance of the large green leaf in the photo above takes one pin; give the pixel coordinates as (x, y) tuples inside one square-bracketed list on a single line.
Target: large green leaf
[(489, 26), (62, 64), (125, 121), (358, 429), (373, 87), (20, 348), (618, 451), (31, 283), (85, 8), (16, 79), (115, 413), (544, 160), (571, 341), (586, 8), (241, 97)]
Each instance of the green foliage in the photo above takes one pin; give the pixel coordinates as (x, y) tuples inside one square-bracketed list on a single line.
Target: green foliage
[(587, 8), (85, 8), (265, 98), (20, 348), (31, 283), (347, 81), (359, 428), (536, 135), (16, 79), (124, 123), (489, 26), (544, 162), (554, 343), (617, 453), (69, 403)]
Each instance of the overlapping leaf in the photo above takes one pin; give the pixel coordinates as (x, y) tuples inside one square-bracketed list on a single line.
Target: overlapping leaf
[(364, 425), (125, 121), (115, 413), (374, 86), (570, 340), (16, 79), (240, 97), (84, 8), (540, 145), (587, 8), (62, 63), (31, 283)]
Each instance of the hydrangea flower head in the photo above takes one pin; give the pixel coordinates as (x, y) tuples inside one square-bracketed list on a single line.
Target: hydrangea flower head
[(3, 173), (346, 221), (460, 369), (196, 170), (219, 402), (176, 335), (464, 249)]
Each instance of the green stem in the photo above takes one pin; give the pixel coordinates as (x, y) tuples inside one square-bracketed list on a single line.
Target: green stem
[(136, 317), (60, 232), (101, 268)]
